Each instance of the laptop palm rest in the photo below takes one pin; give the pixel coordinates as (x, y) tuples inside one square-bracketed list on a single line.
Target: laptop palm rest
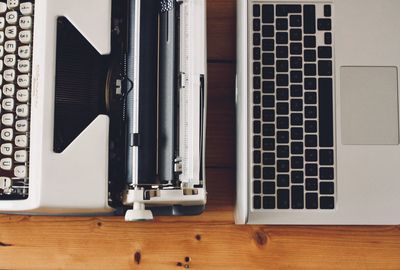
[(370, 111)]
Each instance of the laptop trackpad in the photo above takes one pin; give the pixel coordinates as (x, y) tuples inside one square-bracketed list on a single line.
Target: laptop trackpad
[(369, 98)]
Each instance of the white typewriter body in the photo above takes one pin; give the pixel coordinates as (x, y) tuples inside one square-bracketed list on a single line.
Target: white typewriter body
[(76, 180)]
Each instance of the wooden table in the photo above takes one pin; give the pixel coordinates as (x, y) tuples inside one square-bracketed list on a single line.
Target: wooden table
[(209, 241)]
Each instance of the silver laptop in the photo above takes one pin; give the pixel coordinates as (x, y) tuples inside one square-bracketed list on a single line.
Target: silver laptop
[(318, 112)]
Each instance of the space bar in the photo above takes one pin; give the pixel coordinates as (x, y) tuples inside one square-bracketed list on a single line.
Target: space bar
[(325, 108)]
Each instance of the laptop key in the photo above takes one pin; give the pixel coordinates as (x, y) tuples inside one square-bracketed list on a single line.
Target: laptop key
[(326, 173), (268, 44), (309, 19), (257, 172), (326, 157), (281, 24), (312, 200), (297, 148), (327, 11), (256, 127), (328, 38), (282, 38), (310, 126), (257, 202), (283, 180), (297, 177), (269, 188), (268, 101), (311, 184), (324, 24), (324, 52), (296, 134), (325, 111), (269, 202), (282, 80), (282, 94), (268, 144), (268, 31), (268, 59), (295, 21), (268, 115), (256, 11), (257, 157), (257, 187), (311, 155), (326, 188), (310, 42), (284, 10), (282, 137), (282, 151), (268, 159), (283, 166), (311, 170), (268, 14), (268, 73), (283, 198), (297, 197), (282, 108), (295, 35), (282, 66), (256, 25), (327, 203), (268, 130), (268, 173), (297, 162), (268, 87), (256, 54)]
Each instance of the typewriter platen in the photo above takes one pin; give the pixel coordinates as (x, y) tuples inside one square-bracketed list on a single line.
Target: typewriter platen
[(122, 124)]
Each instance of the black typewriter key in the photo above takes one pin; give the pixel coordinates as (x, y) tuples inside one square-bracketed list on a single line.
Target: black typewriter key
[(257, 53), (268, 59), (296, 134), (297, 148), (283, 198), (256, 97), (310, 56), (269, 173), (281, 24), (256, 11), (311, 170), (327, 11), (295, 35), (268, 115), (311, 155), (311, 184), (297, 197), (282, 151), (326, 188), (282, 52), (282, 79), (309, 19), (283, 166), (326, 173), (312, 200), (282, 180), (310, 98), (256, 126), (296, 76), (268, 87), (269, 159), (268, 202), (256, 39), (268, 14), (257, 172), (295, 21), (311, 112), (310, 84), (282, 137), (282, 66), (269, 188), (296, 48), (296, 105), (310, 42), (327, 203), (296, 90), (325, 68), (310, 69), (256, 68), (282, 94), (257, 141), (311, 141), (311, 126), (324, 24), (284, 10), (268, 31), (296, 119), (256, 25), (296, 62), (256, 82), (268, 73), (268, 130), (328, 38), (268, 44), (282, 38), (297, 177), (282, 122), (257, 112), (257, 157), (297, 162), (325, 52), (257, 187), (257, 202), (268, 144), (282, 108), (268, 101), (325, 157)]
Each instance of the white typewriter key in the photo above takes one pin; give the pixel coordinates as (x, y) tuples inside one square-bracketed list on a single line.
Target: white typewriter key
[(12, 17), (21, 156), (10, 60), (10, 46), (25, 36), (5, 183), (26, 8), (6, 149), (1, 51), (7, 134), (1, 65), (7, 119), (22, 110), (24, 66), (9, 75), (3, 7), (2, 23), (20, 171), (8, 104), (21, 125), (23, 81), (11, 32), (8, 90), (21, 141), (1, 79), (23, 95), (6, 164), (25, 22), (12, 4), (24, 52), (1, 37)]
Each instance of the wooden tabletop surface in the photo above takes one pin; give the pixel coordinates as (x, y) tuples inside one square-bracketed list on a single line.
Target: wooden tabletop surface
[(209, 241)]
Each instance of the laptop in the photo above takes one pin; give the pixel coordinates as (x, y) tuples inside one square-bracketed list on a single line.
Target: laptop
[(318, 112), (103, 106)]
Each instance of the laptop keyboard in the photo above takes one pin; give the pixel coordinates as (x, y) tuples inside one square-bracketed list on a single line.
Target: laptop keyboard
[(292, 103)]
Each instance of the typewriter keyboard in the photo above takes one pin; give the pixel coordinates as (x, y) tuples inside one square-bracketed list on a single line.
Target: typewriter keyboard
[(16, 34)]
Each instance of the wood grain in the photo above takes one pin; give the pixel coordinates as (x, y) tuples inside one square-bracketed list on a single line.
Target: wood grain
[(209, 241)]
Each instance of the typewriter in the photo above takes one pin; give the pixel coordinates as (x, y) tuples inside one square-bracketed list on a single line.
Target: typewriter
[(103, 107)]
